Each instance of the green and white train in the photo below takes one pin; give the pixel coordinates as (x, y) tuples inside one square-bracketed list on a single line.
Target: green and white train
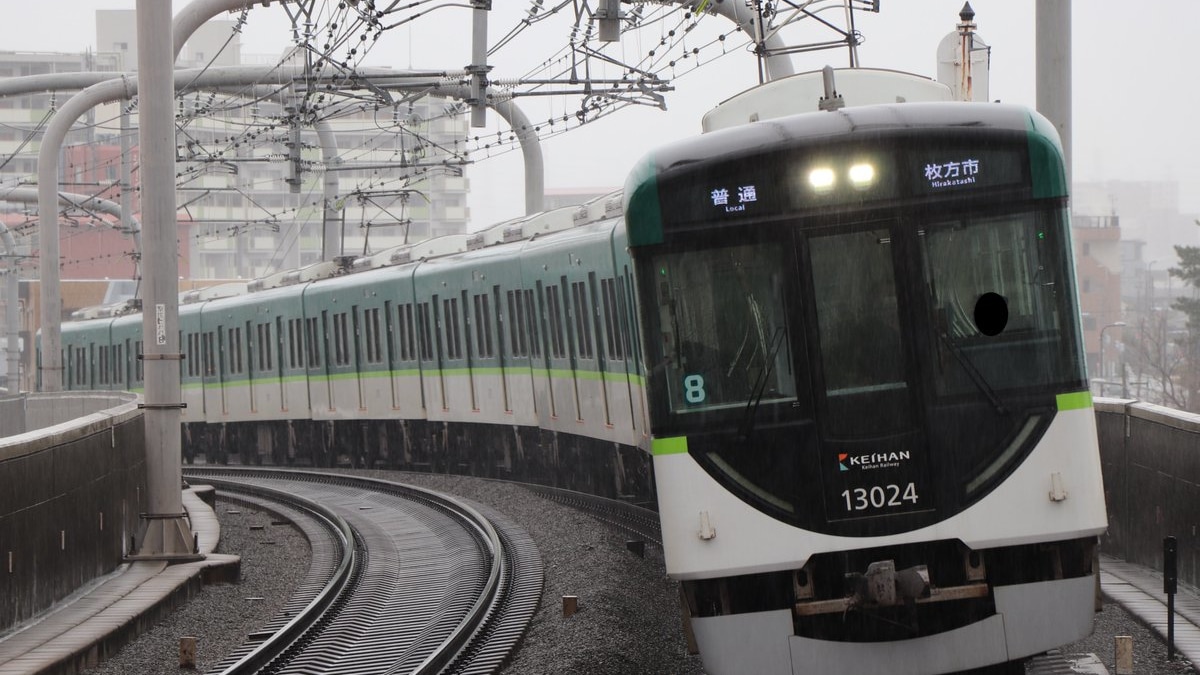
[(508, 353), (839, 350)]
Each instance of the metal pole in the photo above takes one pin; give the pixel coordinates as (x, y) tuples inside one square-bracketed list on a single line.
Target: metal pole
[(479, 67), (1170, 586), (1053, 48), (164, 532), (127, 180), (11, 316), (331, 223)]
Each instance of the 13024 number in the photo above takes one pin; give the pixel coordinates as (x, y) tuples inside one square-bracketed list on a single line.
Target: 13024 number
[(879, 496)]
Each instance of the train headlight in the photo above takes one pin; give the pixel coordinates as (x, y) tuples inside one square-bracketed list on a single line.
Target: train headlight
[(821, 179), (862, 175)]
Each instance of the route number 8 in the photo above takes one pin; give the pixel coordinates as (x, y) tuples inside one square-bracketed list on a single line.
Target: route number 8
[(693, 389)]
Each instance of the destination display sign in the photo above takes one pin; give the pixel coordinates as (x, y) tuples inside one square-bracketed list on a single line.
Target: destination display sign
[(963, 167), (795, 182)]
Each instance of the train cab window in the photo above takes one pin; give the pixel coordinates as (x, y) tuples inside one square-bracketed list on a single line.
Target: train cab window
[(724, 335), (996, 289)]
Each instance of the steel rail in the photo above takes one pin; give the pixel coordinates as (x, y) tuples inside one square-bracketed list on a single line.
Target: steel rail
[(335, 589), (509, 582)]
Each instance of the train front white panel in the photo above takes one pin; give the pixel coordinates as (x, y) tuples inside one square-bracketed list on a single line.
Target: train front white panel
[(763, 642), (1018, 511)]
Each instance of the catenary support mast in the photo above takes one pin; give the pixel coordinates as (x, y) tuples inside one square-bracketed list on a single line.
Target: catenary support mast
[(164, 530)]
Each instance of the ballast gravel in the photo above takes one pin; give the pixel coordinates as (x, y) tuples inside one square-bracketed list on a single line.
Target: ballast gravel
[(273, 556)]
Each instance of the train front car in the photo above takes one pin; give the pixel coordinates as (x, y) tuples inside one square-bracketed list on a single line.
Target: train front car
[(874, 447)]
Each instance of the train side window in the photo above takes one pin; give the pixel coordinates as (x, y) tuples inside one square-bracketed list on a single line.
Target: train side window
[(103, 365), (80, 366), (515, 323), (582, 335), (554, 307), (341, 339), (404, 331), (235, 350), (209, 355), (373, 346), (424, 329), (531, 321), (453, 325), (608, 298), (624, 302), (483, 326), (118, 363), (189, 354), (294, 344), (138, 367), (312, 338), (264, 347)]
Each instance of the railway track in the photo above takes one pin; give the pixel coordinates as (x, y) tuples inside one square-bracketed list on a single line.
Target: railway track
[(403, 580)]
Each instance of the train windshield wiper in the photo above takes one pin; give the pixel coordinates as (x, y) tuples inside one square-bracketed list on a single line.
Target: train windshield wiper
[(746, 432), (977, 377)]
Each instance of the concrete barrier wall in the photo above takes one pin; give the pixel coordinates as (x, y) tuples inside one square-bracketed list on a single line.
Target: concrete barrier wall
[(12, 415), (29, 412), (70, 498), (1151, 460)]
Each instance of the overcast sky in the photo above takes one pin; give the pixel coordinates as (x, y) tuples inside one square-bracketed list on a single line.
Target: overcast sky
[(1135, 106)]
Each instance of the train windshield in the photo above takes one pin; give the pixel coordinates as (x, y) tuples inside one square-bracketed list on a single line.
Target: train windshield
[(997, 292), (723, 327)]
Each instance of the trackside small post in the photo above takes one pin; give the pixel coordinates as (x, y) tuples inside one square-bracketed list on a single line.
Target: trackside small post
[(1170, 585)]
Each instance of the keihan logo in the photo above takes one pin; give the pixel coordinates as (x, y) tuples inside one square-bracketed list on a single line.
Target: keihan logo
[(873, 460)]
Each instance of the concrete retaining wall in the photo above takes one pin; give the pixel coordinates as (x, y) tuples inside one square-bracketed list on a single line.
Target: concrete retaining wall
[(1151, 459), (70, 498), (30, 412)]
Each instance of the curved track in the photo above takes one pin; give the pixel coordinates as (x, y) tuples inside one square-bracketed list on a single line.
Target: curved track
[(429, 584)]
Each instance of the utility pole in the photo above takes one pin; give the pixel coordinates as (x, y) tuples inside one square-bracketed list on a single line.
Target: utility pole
[(164, 533), (1053, 50), (479, 67)]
